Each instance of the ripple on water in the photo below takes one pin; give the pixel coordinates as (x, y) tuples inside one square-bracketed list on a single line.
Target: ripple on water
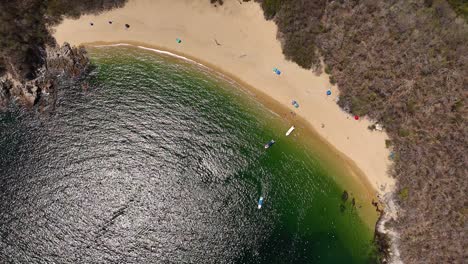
[(159, 162)]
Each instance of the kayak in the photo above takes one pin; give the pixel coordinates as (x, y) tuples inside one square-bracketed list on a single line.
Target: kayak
[(269, 144), (290, 130), (260, 202)]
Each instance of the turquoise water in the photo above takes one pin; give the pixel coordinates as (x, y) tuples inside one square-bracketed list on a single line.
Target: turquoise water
[(162, 161)]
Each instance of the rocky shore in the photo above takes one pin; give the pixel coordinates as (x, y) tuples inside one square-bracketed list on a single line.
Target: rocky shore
[(60, 62), (386, 238)]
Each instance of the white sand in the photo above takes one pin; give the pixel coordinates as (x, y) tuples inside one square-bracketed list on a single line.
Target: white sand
[(249, 51)]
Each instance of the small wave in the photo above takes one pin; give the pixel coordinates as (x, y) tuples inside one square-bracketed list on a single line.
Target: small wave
[(154, 50)]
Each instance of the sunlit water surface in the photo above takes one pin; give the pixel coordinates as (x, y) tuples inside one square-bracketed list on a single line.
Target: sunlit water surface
[(162, 161)]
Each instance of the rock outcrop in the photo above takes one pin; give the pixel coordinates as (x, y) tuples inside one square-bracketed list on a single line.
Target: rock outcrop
[(387, 239), (60, 62)]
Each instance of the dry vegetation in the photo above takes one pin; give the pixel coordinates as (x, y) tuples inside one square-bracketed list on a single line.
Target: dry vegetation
[(405, 64), (298, 29), (460, 7)]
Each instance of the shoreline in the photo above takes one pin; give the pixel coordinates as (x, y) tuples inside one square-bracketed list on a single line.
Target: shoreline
[(327, 153), (320, 112)]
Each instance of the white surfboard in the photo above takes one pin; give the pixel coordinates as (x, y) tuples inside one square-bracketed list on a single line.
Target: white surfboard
[(289, 131)]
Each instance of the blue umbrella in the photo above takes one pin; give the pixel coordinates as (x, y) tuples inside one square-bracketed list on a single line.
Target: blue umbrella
[(295, 104)]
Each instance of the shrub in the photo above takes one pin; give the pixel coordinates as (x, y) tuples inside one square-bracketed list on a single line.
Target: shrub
[(327, 70), (403, 194), (388, 143), (403, 132)]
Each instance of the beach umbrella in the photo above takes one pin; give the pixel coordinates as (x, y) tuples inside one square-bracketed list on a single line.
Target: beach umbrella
[(127, 25), (328, 92), (294, 102), (110, 22), (356, 117), (92, 24), (278, 72), (178, 40)]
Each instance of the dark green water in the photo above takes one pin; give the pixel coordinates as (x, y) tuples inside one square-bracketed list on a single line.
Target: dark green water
[(161, 161)]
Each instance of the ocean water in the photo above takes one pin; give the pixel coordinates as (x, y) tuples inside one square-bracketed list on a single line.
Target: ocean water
[(162, 161)]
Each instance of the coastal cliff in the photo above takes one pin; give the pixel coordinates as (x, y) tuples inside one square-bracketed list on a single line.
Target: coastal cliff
[(59, 62), (30, 59)]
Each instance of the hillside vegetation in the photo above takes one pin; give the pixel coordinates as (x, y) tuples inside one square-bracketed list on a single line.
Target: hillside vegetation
[(460, 7), (403, 63), (24, 30)]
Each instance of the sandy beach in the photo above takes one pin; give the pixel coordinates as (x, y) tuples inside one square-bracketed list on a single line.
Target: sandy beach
[(236, 39)]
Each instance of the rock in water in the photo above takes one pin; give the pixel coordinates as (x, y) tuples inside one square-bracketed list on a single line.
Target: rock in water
[(70, 61), (59, 62), (344, 196)]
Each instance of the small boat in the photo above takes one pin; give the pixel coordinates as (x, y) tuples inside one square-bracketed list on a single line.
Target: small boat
[(260, 202), (269, 144), (289, 131)]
